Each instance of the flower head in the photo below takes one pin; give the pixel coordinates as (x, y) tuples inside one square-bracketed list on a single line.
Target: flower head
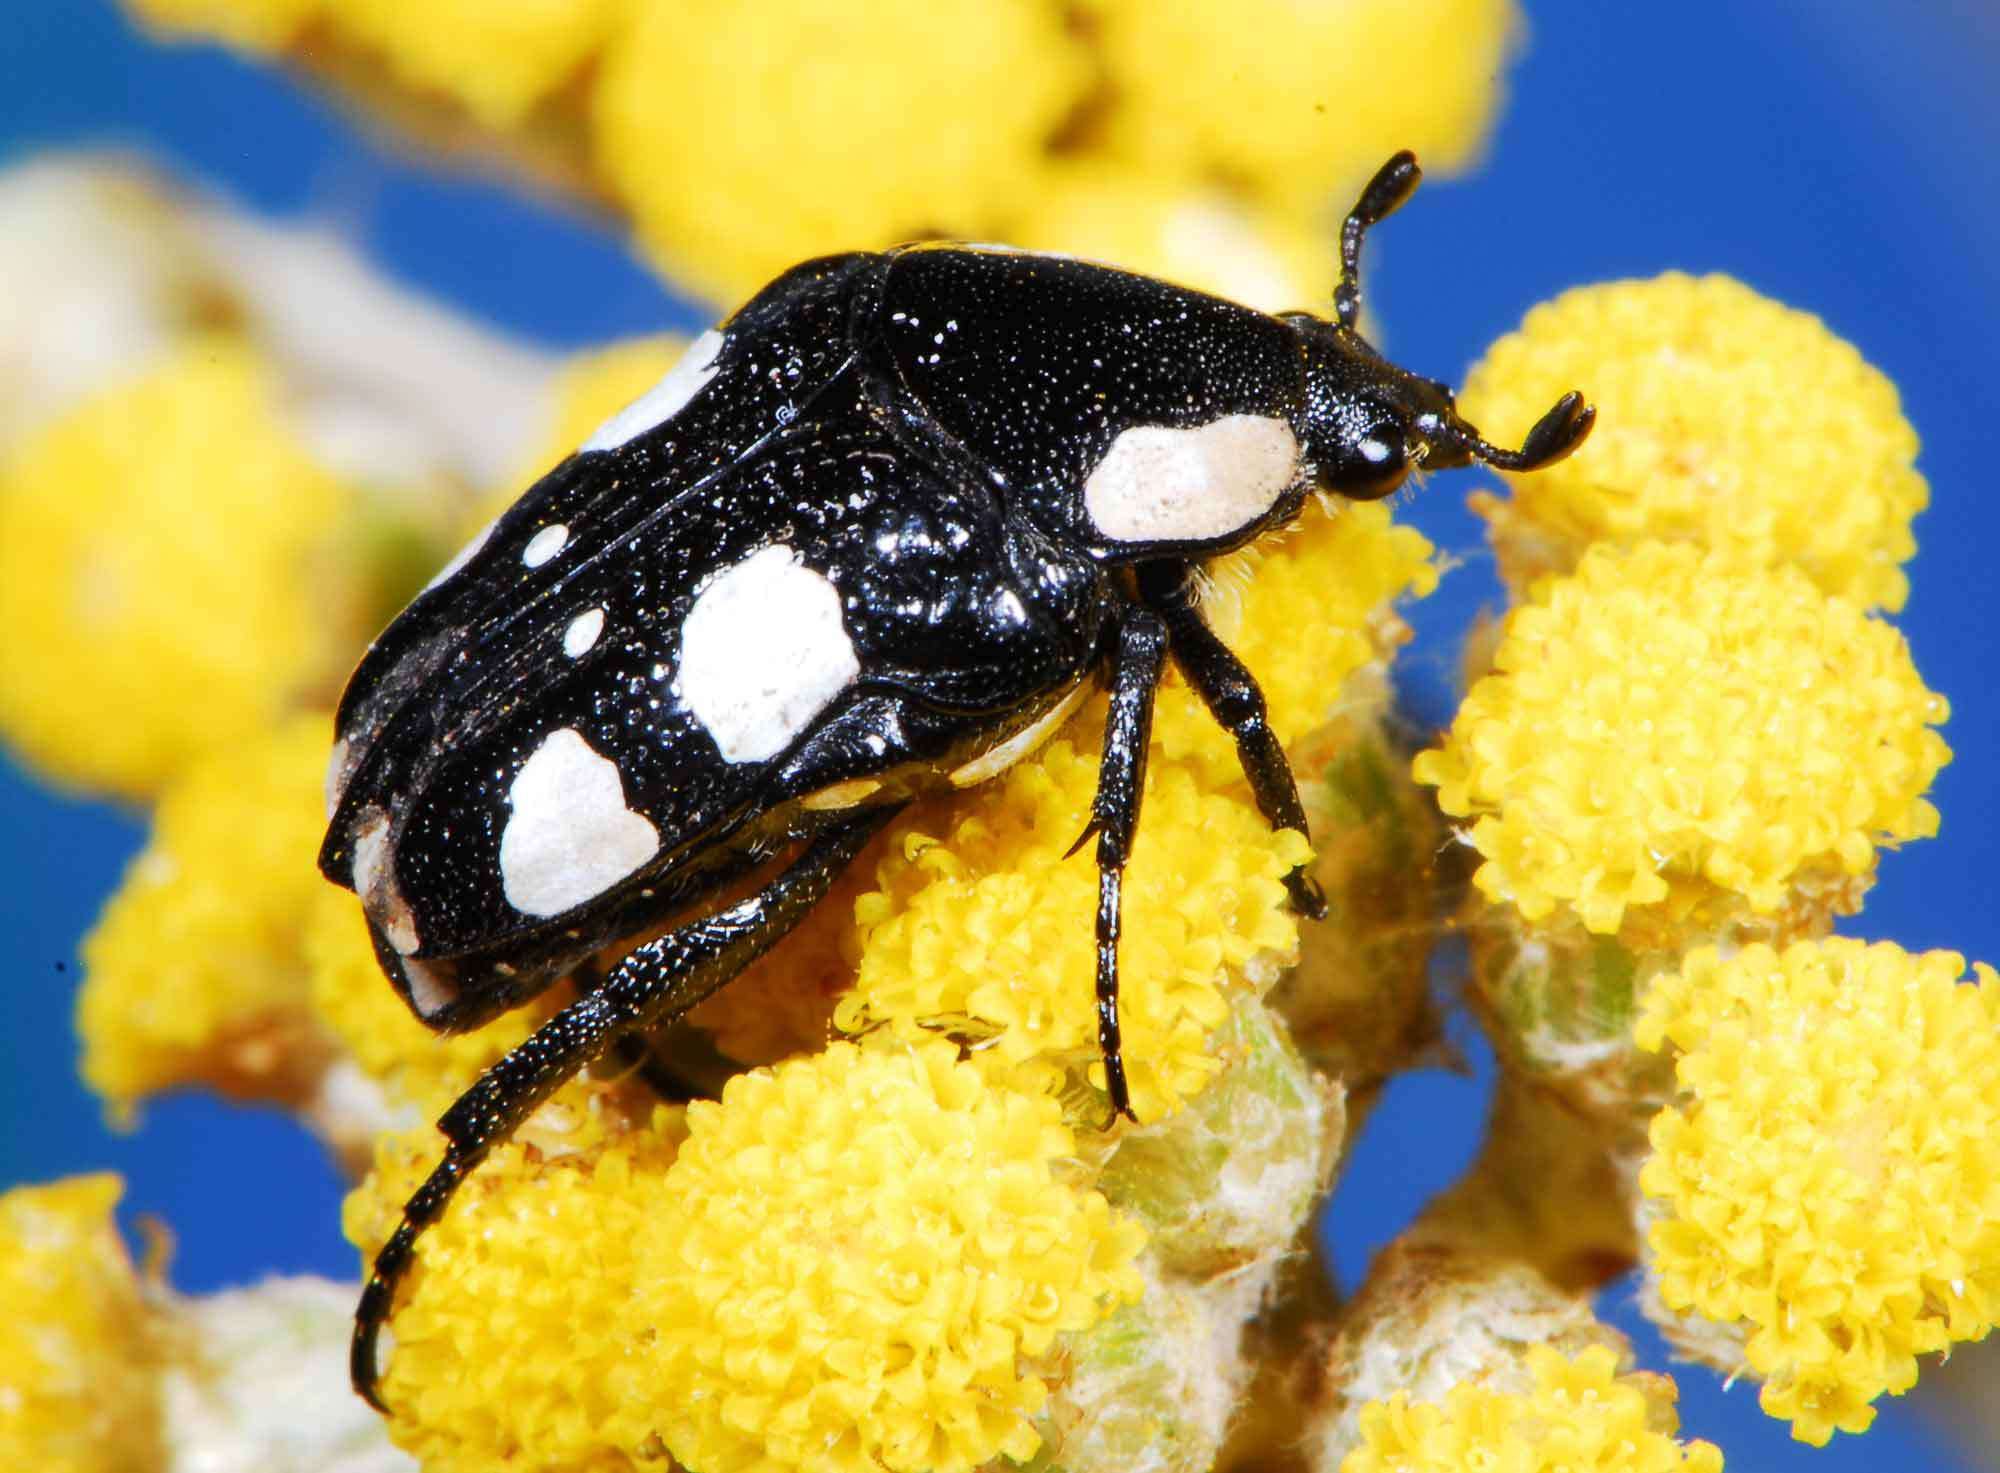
[(1668, 725), (1828, 1176), (78, 1387), (1724, 418), (156, 553), (743, 137), (863, 1259), (1579, 1416), (194, 971)]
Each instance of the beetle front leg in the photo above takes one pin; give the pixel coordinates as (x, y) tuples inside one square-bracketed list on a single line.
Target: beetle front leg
[(654, 983), (1136, 663), (1231, 694)]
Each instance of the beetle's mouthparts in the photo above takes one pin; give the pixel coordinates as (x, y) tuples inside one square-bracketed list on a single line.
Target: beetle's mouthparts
[(1555, 435)]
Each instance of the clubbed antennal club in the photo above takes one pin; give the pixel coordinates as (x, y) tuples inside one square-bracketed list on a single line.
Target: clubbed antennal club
[(1393, 183), (1554, 436)]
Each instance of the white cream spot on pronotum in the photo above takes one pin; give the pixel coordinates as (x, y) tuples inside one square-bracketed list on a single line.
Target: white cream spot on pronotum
[(1160, 484), (582, 632), (664, 400), (374, 877), (544, 545), (569, 836), (463, 556), (763, 652)]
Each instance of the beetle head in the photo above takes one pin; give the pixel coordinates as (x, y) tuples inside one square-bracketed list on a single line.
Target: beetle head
[(1368, 422)]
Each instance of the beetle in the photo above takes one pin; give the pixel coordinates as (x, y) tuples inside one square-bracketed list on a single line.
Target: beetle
[(871, 537)]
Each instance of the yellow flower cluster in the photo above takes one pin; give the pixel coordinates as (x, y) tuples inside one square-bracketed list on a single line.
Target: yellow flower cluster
[(1830, 1169), (195, 972), (1579, 1417), (78, 1392), (859, 1260), (1724, 418), (1668, 723), (743, 135), (157, 573)]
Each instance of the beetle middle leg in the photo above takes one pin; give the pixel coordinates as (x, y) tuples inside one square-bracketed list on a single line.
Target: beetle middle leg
[(1136, 661), (657, 981), (1230, 692)]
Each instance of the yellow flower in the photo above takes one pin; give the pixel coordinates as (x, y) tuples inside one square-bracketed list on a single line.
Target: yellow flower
[(984, 926), (862, 1259), (1579, 1417), (1200, 237), (156, 585), (1666, 725), (1724, 418), (253, 25), (866, 1261), (743, 137), (79, 1388), (1829, 1174), (194, 971), (512, 1320), (497, 58), (1301, 102)]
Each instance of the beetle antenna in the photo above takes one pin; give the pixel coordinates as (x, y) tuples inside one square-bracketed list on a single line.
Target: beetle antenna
[(1554, 436), (1393, 183)]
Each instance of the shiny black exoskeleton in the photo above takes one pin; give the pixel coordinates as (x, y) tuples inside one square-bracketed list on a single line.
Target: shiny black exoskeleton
[(870, 539)]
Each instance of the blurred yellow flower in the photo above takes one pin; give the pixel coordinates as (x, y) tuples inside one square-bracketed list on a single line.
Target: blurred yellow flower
[(157, 573), (79, 1390), (194, 972)]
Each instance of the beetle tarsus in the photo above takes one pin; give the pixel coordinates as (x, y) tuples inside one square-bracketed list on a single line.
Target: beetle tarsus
[(657, 981)]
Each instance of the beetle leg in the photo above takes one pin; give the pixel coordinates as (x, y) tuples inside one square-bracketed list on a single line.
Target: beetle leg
[(1231, 694), (655, 982), (1136, 662), (635, 1054)]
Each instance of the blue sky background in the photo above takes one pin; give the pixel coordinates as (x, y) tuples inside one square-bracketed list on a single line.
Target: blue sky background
[(1830, 156)]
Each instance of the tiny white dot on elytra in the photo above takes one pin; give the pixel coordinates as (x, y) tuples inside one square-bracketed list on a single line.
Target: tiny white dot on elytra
[(582, 632), (544, 545)]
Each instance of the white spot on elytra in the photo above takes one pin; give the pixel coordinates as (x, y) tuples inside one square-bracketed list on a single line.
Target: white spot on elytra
[(544, 545), (1160, 484), (570, 836), (582, 632), (664, 400), (763, 652), (463, 556), (431, 989), (374, 877), (336, 777)]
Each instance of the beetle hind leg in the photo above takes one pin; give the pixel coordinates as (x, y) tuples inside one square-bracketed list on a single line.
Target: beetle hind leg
[(1230, 692), (1137, 660), (657, 981)]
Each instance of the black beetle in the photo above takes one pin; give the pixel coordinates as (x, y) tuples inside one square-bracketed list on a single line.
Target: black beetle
[(869, 539)]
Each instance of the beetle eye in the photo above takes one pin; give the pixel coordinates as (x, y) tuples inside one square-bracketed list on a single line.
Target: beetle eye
[(1370, 468)]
